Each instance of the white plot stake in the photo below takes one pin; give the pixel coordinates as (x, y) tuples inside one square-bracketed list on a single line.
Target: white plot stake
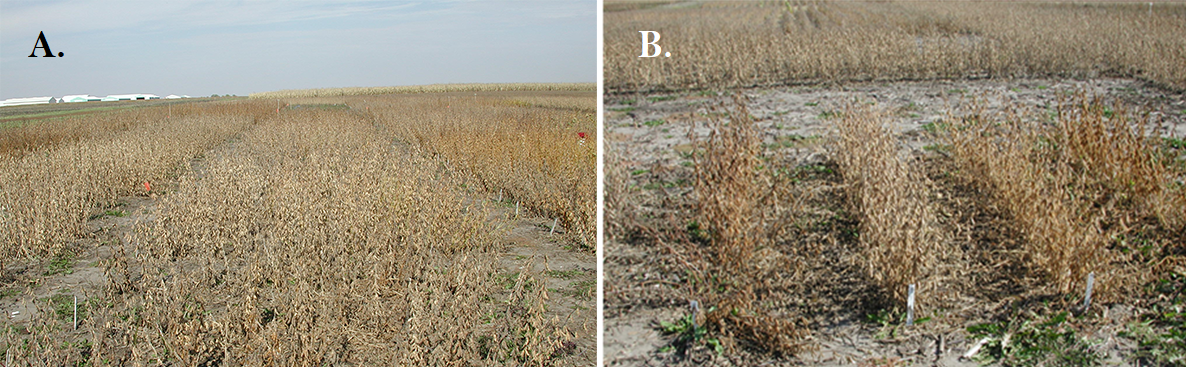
[(553, 226), (910, 305), (695, 311), (1087, 297), (75, 312), (500, 196), (516, 209)]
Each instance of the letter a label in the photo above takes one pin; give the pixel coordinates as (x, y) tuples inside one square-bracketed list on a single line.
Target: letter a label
[(41, 43)]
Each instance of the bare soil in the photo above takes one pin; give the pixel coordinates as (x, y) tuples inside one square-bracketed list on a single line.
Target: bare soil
[(816, 278)]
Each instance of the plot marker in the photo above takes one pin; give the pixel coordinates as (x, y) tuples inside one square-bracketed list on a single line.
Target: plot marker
[(910, 305)]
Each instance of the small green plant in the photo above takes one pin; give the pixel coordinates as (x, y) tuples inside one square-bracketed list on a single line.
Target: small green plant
[(813, 169), (63, 306), (63, 262), (584, 290), (661, 98), (508, 281), (653, 123), (828, 114), (937, 147), (1161, 333), (933, 127), (697, 233), (811, 104), (624, 109), (110, 213), (890, 323), (638, 172), (688, 334), (1027, 343), (1174, 143)]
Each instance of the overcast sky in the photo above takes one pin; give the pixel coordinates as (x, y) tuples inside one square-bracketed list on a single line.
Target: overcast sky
[(242, 47)]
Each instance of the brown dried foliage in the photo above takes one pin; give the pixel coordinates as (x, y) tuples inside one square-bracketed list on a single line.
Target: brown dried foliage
[(314, 238), (727, 188), (47, 192), (730, 44), (1072, 185), (898, 230), (733, 194), (527, 148)]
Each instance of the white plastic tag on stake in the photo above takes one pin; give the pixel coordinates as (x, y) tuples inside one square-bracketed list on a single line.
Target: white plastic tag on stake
[(553, 226), (75, 312), (910, 305), (1087, 297)]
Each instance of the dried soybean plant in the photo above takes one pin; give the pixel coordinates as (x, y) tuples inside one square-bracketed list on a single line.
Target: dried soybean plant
[(48, 194), (310, 245), (310, 239), (728, 188), (1071, 182), (732, 191), (898, 232), (1114, 147), (541, 157)]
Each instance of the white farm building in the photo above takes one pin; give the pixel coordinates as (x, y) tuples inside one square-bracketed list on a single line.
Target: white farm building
[(74, 98), (30, 100), (130, 97), (80, 98)]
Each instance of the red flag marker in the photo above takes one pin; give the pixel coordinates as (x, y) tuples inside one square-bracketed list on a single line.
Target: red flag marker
[(147, 187)]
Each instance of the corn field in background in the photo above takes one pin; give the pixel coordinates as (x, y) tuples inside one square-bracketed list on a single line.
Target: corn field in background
[(431, 88), (729, 44)]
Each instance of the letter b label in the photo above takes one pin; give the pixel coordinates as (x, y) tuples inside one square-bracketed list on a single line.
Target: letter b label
[(645, 44)]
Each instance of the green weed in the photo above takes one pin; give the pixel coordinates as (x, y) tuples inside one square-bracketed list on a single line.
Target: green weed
[(1028, 343)]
